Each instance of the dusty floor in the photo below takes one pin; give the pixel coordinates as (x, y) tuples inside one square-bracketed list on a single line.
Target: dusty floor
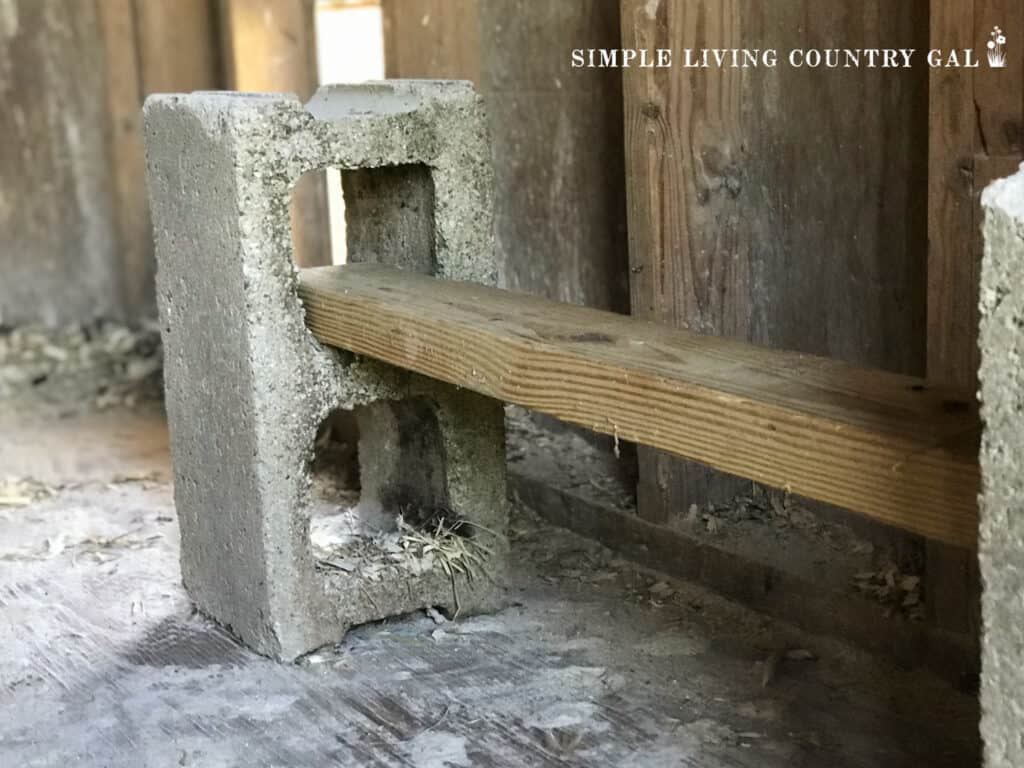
[(104, 662)]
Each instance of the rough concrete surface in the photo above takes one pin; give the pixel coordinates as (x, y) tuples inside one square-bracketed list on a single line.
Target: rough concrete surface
[(596, 662), (1002, 465), (247, 385)]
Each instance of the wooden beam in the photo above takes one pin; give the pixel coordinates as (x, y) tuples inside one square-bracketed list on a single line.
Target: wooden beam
[(889, 446), (976, 127)]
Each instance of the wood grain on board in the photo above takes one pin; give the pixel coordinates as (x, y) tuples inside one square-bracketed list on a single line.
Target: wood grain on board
[(886, 445)]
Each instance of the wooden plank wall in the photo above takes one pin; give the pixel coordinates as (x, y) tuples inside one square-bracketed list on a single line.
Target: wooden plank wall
[(151, 46), (558, 151), (777, 205), (557, 134), (432, 38), (78, 75), (976, 130), (73, 76)]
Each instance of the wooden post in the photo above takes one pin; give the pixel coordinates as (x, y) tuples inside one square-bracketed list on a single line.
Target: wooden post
[(151, 46), (124, 143), (975, 136), (558, 153), (557, 132), (432, 38), (270, 46), (177, 45), (775, 204)]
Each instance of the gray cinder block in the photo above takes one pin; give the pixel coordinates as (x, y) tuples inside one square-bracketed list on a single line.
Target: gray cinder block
[(247, 385), (1001, 545)]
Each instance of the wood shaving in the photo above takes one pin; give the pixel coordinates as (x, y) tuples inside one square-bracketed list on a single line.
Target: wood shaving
[(22, 491)]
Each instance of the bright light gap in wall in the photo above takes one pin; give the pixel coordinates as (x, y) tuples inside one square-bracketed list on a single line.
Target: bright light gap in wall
[(350, 49)]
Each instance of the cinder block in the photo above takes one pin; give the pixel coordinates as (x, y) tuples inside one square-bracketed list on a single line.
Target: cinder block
[(1001, 545), (247, 385)]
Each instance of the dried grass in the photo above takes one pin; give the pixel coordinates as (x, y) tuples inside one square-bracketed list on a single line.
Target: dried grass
[(447, 543)]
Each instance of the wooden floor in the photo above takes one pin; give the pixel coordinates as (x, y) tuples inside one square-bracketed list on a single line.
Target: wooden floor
[(895, 448), (594, 663)]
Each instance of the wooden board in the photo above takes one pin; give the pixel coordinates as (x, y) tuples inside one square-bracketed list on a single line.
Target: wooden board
[(127, 157), (177, 45), (778, 205), (975, 134), (432, 38), (58, 212), (886, 445)]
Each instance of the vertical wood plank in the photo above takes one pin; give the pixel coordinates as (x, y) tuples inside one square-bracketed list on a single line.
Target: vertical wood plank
[(775, 204), (124, 99), (446, 35), (177, 45), (952, 270), (57, 207), (270, 46), (556, 132), (999, 93), (558, 150), (975, 136)]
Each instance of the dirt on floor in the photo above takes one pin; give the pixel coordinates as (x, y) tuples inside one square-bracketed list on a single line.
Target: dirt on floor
[(595, 660)]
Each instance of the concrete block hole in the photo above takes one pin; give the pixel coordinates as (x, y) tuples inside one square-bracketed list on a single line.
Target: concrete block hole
[(380, 215), (378, 474)]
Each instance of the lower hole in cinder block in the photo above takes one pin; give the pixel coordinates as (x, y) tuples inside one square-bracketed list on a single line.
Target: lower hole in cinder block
[(379, 507)]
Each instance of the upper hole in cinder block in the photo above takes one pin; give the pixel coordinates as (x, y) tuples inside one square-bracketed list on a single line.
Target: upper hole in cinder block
[(389, 216), (379, 215)]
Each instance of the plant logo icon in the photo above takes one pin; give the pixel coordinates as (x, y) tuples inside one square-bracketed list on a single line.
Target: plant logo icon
[(997, 49)]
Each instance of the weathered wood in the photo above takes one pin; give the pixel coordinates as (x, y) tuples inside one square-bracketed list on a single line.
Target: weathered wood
[(432, 38), (975, 135), (57, 212), (270, 46), (952, 121), (775, 204), (886, 445), (976, 130), (556, 132), (999, 93), (177, 45), (137, 265), (558, 150)]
